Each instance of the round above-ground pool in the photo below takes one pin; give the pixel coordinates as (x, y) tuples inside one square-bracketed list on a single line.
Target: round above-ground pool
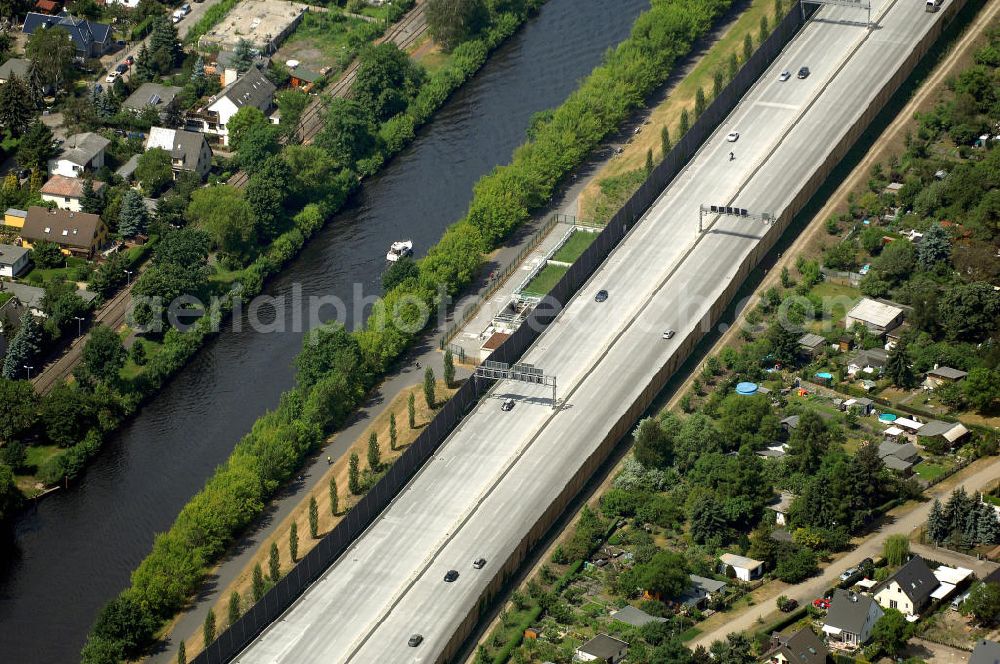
[(887, 417), (746, 388)]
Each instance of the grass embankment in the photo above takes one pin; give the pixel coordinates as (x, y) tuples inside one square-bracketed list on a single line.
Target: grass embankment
[(622, 175), (574, 246), (546, 278), (327, 520)]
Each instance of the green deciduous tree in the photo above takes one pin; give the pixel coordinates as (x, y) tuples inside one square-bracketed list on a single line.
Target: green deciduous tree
[(208, 628), (226, 216), (969, 312), (699, 102), (103, 355), (895, 550), (665, 575), (154, 171), (430, 385), (354, 474), (291, 103), (47, 255), (257, 584), (453, 21), (983, 604), (982, 388), (235, 609), (347, 134), (653, 446), (685, 122), (20, 404), (274, 563), (747, 47), (266, 192), (51, 53), (386, 80), (795, 565), (890, 634)]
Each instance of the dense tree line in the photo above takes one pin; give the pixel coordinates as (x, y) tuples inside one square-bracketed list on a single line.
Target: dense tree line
[(963, 521)]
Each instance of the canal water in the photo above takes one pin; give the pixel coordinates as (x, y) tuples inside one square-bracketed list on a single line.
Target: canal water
[(76, 549)]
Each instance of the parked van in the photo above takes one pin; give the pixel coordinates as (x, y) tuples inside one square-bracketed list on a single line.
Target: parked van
[(958, 601), (932, 5)]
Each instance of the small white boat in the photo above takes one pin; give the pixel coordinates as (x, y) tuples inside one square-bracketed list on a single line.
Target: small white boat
[(399, 249)]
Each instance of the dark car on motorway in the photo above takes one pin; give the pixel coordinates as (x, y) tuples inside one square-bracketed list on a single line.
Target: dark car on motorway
[(601, 296), (451, 575), (803, 72), (508, 404), (415, 640), (480, 563)]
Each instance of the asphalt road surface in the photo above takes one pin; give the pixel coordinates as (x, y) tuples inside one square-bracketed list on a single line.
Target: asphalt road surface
[(499, 470)]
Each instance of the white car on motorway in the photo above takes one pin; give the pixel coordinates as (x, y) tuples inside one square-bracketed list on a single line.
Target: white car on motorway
[(733, 136), (785, 75)]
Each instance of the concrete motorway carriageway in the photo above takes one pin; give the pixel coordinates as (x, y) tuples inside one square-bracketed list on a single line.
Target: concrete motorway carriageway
[(499, 471)]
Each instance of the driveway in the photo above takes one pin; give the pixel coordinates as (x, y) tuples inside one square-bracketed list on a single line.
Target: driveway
[(900, 521)]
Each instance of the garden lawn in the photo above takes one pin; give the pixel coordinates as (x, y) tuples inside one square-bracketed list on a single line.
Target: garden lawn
[(575, 245), (73, 268), (929, 471), (327, 38), (543, 282)]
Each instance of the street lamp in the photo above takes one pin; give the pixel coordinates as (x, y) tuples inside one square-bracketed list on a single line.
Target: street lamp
[(29, 368), (129, 273), (79, 325)]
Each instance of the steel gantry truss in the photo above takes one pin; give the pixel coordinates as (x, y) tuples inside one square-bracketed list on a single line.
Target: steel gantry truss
[(853, 4), (711, 210), (523, 372)]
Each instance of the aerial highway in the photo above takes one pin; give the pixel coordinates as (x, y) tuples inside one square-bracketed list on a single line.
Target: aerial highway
[(498, 472)]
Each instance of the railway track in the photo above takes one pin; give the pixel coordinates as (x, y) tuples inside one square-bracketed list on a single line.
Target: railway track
[(403, 34)]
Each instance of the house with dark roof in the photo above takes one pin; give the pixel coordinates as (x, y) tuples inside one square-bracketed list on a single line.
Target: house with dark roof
[(871, 361), (91, 39), (251, 89), (81, 152), (900, 457), (811, 344), (630, 615), (14, 67), (148, 94), (850, 619), (702, 590), (188, 150), (602, 648), (802, 647), (939, 376), (67, 193), (909, 589), (986, 652), (950, 432), (76, 233)]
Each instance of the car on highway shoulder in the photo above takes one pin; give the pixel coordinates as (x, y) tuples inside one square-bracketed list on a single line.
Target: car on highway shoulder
[(785, 75), (601, 296), (451, 575), (479, 563), (803, 72), (415, 640), (112, 75), (733, 136), (668, 334), (508, 404)]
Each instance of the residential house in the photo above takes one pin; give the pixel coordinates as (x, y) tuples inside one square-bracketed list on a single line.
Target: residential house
[(939, 376), (76, 233), (91, 39), (871, 361), (151, 94), (909, 589), (252, 89), (986, 652), (876, 316), (802, 647), (702, 591), (602, 648), (909, 426), (776, 451), (949, 579), (14, 217), (898, 457), (67, 193), (188, 150), (14, 67), (30, 297), (893, 336), (630, 615), (937, 431), (48, 6), (850, 619), (13, 260), (781, 507), (80, 153), (811, 344), (790, 423), (745, 569)]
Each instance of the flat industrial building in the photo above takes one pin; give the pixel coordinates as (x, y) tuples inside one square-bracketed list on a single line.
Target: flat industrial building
[(490, 482), (264, 23)]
